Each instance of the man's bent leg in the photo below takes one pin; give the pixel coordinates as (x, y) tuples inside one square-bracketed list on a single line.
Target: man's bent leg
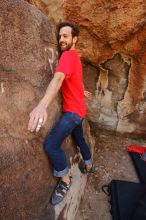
[(84, 148), (53, 148), (54, 140)]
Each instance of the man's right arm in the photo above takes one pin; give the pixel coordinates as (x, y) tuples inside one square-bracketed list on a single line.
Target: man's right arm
[(39, 113)]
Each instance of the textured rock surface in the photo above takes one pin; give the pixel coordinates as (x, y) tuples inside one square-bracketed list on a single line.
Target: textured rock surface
[(112, 40), (54, 9), (28, 57)]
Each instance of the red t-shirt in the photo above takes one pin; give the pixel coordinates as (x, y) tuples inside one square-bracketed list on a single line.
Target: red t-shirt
[(72, 87)]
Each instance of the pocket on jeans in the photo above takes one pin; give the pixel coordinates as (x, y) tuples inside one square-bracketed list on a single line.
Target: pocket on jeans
[(77, 119)]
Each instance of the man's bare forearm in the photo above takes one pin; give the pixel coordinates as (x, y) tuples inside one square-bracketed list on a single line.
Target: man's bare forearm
[(52, 90), (39, 115)]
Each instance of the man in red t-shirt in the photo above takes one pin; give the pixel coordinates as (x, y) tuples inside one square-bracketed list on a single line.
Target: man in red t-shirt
[(68, 77)]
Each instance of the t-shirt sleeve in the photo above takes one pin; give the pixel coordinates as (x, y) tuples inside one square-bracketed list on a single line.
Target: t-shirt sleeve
[(65, 64)]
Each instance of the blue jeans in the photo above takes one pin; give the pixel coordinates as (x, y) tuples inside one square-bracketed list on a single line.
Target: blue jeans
[(69, 123)]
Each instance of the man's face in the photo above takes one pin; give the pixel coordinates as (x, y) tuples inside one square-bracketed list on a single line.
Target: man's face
[(66, 41)]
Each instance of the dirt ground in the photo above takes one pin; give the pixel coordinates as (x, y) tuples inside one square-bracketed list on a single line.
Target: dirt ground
[(112, 162)]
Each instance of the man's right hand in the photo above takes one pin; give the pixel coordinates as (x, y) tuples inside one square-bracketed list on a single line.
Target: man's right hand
[(38, 117)]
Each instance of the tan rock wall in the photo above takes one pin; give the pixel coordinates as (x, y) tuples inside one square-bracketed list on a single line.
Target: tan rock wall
[(54, 9), (112, 40)]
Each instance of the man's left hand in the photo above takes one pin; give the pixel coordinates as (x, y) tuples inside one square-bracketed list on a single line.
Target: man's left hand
[(87, 94)]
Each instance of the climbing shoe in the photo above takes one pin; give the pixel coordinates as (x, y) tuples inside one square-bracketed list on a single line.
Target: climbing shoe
[(60, 192), (84, 170)]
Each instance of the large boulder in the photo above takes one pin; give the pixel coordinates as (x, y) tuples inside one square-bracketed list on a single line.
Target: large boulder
[(112, 45), (28, 58)]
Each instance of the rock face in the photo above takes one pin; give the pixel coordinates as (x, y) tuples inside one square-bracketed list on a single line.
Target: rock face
[(28, 58), (113, 47)]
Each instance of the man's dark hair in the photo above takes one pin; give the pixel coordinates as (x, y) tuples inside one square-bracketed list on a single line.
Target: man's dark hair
[(75, 28)]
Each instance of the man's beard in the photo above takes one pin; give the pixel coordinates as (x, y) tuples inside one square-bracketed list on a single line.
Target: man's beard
[(66, 47)]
